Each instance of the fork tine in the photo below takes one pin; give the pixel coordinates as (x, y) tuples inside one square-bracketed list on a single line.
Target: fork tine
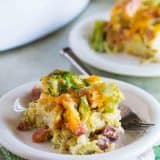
[(143, 125), (131, 121), (135, 128), (146, 124)]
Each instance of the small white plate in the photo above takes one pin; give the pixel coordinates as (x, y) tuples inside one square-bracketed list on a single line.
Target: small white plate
[(21, 144), (120, 63)]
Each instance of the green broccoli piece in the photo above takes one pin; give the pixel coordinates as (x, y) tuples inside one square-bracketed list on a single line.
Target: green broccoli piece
[(60, 81), (98, 38), (84, 109)]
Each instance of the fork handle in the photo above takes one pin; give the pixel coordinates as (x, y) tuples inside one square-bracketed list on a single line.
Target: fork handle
[(71, 56)]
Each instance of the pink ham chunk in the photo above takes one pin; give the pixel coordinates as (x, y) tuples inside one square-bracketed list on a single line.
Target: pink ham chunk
[(36, 92)]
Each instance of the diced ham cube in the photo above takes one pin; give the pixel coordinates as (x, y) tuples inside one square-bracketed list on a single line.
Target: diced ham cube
[(24, 126), (79, 131), (36, 92), (41, 135), (110, 133), (103, 142)]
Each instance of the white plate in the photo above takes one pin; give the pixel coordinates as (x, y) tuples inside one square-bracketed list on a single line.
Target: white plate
[(121, 64), (21, 144)]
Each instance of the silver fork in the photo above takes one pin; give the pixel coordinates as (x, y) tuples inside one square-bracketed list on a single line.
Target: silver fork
[(130, 121)]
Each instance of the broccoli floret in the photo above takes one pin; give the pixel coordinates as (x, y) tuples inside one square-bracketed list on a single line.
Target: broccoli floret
[(60, 81), (84, 109), (98, 38)]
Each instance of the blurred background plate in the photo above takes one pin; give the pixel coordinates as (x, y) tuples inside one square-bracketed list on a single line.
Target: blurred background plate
[(122, 64), (23, 21)]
